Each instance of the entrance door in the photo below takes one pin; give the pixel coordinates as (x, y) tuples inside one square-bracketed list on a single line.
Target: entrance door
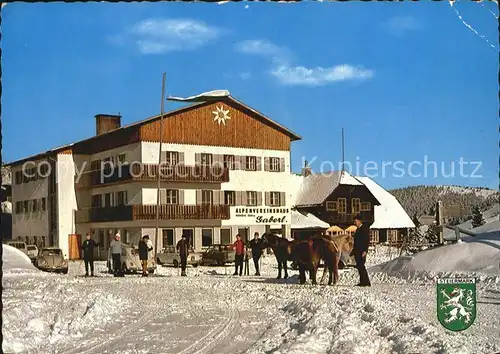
[(189, 233), (244, 234)]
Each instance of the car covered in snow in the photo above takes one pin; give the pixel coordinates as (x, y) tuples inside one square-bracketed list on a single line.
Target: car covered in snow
[(170, 256), (130, 261), (51, 259), (20, 245), (218, 255), (32, 252)]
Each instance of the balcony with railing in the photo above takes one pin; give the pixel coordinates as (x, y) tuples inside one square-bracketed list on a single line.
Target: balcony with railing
[(148, 212), (149, 172), (345, 218)]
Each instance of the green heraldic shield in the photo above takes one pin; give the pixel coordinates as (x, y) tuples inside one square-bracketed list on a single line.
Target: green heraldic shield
[(456, 302)]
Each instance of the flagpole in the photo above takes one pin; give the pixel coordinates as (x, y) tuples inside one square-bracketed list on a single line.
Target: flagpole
[(159, 167)]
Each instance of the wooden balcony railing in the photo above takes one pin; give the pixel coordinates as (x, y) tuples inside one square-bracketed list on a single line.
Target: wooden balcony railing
[(338, 218), (149, 172), (148, 212)]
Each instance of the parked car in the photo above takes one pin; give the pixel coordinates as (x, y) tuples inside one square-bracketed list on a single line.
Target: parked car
[(130, 261), (20, 245), (32, 252), (169, 256), (51, 259), (218, 255)]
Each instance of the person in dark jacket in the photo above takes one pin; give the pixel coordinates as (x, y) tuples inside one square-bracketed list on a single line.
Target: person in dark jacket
[(239, 248), (144, 249), (256, 247), (183, 249), (115, 248), (360, 250), (88, 247)]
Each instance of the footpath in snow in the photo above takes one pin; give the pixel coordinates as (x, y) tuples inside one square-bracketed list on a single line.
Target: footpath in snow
[(211, 311)]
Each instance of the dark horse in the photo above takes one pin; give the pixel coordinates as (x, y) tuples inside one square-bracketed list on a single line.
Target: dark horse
[(308, 254), (281, 251)]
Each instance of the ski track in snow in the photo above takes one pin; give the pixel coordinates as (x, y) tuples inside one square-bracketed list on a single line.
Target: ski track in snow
[(209, 312)]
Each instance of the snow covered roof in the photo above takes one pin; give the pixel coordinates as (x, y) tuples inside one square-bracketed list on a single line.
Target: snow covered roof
[(389, 214), (307, 221), (316, 187)]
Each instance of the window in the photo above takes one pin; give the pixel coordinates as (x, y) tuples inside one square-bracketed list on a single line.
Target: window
[(25, 206), (206, 159), (225, 236), (355, 205), (19, 207), (42, 204), (275, 199), (251, 163), (101, 238), (331, 206), (229, 198), (121, 198), (206, 237), (108, 199), (366, 206), (19, 177), (34, 205), (172, 196), (120, 159), (96, 201), (168, 237), (252, 198), (206, 197), (342, 205), (274, 164), (171, 158), (229, 162)]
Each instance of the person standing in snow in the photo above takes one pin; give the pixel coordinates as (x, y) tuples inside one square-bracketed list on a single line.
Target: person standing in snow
[(183, 249), (115, 248), (256, 247), (88, 247), (144, 249), (239, 248), (360, 250)]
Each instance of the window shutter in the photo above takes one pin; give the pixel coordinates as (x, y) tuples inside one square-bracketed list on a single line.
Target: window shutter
[(198, 196), (259, 198), (240, 165), (181, 158), (163, 196), (215, 198), (244, 198), (258, 163), (282, 198), (221, 198), (282, 164), (266, 163), (267, 198), (163, 156), (181, 196), (238, 197), (197, 159)]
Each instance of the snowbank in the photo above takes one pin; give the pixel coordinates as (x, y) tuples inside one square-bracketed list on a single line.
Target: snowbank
[(479, 254), (15, 260)]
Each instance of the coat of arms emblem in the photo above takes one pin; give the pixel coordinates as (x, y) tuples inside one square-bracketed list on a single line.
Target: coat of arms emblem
[(456, 302)]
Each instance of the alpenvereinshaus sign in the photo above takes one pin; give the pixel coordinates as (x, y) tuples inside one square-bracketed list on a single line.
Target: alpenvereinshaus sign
[(264, 215)]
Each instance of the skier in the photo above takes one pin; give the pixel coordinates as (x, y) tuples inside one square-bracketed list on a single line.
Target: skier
[(115, 248), (360, 250), (256, 246), (183, 249), (239, 247), (88, 247), (144, 249)]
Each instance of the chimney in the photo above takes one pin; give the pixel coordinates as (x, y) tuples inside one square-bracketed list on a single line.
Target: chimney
[(106, 122), (306, 170)]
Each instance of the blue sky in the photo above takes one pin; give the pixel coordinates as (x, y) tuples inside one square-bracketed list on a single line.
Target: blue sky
[(405, 80)]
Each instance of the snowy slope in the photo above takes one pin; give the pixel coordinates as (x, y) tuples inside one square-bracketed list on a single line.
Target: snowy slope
[(15, 260)]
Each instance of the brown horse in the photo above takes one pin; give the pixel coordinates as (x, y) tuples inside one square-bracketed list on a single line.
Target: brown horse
[(342, 244), (280, 247), (308, 254)]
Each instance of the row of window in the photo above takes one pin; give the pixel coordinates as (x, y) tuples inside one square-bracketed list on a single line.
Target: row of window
[(32, 174), (28, 206), (203, 197), (39, 241), (340, 205)]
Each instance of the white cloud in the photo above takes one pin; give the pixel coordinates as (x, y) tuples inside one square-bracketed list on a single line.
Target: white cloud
[(319, 76), (245, 76), (154, 36), (264, 48), (399, 25)]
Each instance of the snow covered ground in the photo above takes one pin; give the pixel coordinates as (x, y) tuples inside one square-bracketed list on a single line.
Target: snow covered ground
[(210, 311)]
